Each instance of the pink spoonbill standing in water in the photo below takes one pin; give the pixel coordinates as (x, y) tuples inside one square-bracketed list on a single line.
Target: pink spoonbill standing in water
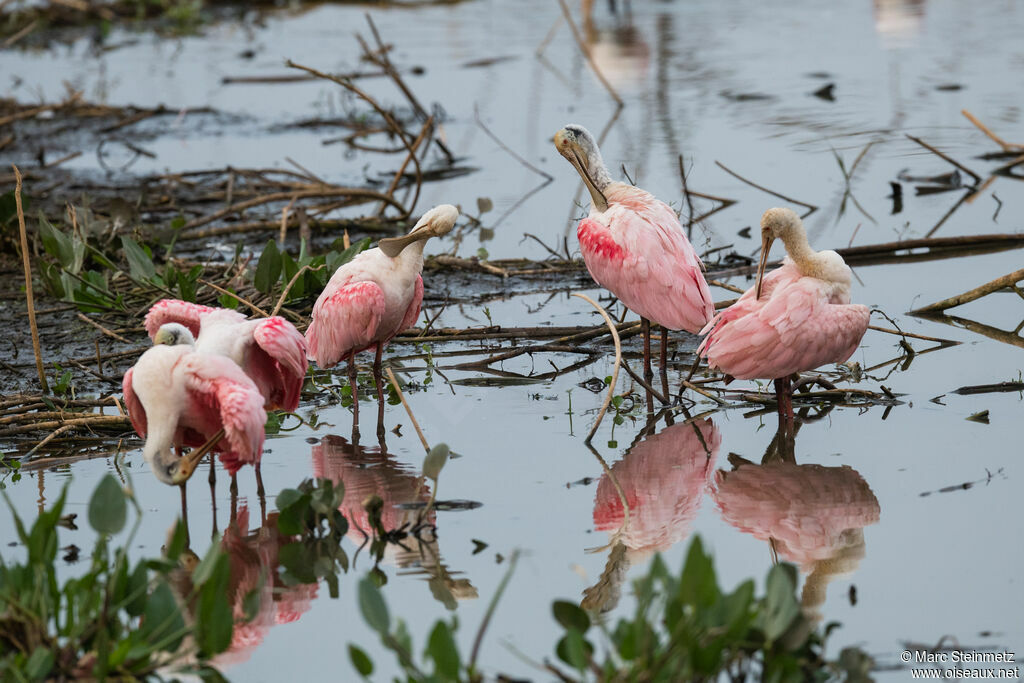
[(634, 246), (270, 350), (795, 319), (177, 397), (372, 298)]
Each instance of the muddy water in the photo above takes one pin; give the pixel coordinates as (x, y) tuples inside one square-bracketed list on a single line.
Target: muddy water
[(714, 81)]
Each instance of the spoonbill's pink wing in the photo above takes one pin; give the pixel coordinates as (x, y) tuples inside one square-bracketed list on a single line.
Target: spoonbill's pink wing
[(278, 355), (643, 257), (132, 404), (793, 329), (412, 313), (220, 395), (176, 311), (345, 320)]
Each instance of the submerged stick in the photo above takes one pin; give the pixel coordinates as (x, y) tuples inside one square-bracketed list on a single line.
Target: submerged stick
[(618, 361), (1007, 146), (28, 282), (946, 158), (408, 409), (1004, 282), (812, 208)]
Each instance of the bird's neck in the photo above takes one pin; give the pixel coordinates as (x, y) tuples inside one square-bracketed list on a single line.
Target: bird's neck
[(160, 436), (806, 259), (597, 170), (411, 257)]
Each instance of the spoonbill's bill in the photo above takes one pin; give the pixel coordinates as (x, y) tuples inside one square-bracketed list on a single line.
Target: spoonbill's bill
[(797, 318), (177, 397), (372, 298), (634, 246), (270, 350)]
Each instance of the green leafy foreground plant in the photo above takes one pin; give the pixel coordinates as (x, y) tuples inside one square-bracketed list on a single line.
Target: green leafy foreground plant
[(119, 619), (684, 628)]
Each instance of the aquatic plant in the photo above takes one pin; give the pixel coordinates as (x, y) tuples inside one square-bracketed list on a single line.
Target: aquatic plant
[(683, 627), (120, 618)]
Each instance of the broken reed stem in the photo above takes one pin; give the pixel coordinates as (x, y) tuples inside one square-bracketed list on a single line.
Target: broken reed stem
[(586, 54), (291, 283), (28, 282), (1004, 282), (946, 158), (1007, 146), (408, 409), (618, 358), (248, 303), (812, 208)]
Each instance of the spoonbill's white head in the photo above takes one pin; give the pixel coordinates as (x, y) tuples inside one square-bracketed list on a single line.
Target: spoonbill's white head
[(781, 224), (434, 223), (579, 148), (174, 334)]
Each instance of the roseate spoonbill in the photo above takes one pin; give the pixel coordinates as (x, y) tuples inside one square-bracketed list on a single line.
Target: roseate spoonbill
[(372, 298), (663, 478), (797, 318), (176, 396), (634, 246), (270, 350)]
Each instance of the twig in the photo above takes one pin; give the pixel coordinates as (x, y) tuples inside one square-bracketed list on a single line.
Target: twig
[(408, 409), (586, 54), (812, 208), (642, 382), (506, 148), (288, 287), (618, 358), (236, 297), (944, 157), (28, 282), (112, 335), (499, 591), (21, 34), (1007, 146), (995, 285), (326, 192)]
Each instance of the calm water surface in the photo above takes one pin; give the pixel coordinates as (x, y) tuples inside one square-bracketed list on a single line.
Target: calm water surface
[(730, 82)]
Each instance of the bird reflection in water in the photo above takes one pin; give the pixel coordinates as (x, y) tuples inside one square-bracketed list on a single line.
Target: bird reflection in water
[(409, 540), (811, 515), (618, 49), (648, 500), (253, 583)]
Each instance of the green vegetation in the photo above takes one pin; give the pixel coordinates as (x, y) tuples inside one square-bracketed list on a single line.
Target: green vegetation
[(684, 628), (120, 618)]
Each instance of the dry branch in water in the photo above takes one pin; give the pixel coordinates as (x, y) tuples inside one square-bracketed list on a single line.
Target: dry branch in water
[(1005, 282)]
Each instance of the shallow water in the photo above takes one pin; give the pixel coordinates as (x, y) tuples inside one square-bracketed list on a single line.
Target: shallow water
[(713, 81)]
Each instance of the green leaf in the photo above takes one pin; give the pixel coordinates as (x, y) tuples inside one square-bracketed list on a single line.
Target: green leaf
[(214, 619), (360, 660), (68, 251), (441, 648), (574, 650), (40, 664), (228, 301), (780, 604), (162, 622), (140, 264), (434, 462), (206, 567), (373, 607), (107, 508), (570, 616), (138, 581), (177, 543), (698, 586), (268, 268), (8, 207)]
